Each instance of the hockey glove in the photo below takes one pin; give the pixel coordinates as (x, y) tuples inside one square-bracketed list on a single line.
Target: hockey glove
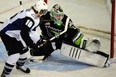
[(43, 41), (33, 48)]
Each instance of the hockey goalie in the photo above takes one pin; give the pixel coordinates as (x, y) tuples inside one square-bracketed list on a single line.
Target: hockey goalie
[(88, 53), (58, 27)]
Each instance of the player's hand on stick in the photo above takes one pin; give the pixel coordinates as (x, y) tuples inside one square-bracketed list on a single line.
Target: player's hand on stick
[(43, 41)]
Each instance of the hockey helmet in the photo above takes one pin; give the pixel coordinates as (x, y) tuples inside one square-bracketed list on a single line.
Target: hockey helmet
[(57, 14), (41, 7)]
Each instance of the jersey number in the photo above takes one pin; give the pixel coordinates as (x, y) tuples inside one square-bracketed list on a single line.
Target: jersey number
[(29, 23)]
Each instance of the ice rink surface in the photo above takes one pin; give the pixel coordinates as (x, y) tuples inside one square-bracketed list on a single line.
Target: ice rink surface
[(57, 65)]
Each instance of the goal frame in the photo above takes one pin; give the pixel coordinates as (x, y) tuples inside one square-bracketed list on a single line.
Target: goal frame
[(112, 28), (46, 1)]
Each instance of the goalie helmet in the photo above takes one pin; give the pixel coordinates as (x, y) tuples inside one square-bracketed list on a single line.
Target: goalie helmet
[(57, 14), (40, 7)]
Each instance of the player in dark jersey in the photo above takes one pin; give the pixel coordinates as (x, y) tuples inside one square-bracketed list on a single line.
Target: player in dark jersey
[(57, 24), (54, 22), (17, 34)]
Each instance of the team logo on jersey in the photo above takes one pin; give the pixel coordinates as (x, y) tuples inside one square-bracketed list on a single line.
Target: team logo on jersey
[(52, 29)]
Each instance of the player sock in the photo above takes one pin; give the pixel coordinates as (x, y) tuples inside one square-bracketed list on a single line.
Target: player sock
[(7, 69)]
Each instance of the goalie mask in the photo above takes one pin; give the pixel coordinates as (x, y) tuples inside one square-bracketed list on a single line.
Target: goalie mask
[(57, 14)]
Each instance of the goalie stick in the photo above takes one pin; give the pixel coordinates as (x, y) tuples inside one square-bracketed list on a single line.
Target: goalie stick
[(88, 60), (65, 29), (97, 58)]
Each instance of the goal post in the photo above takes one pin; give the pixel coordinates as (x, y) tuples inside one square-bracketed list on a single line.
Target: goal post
[(46, 1), (112, 28)]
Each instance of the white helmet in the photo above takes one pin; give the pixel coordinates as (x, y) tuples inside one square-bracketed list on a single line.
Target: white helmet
[(41, 7)]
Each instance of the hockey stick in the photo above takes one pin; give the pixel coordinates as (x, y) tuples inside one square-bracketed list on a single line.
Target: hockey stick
[(20, 2), (1, 22), (65, 29)]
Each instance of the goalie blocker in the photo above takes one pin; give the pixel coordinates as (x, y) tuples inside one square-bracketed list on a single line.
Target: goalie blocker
[(98, 58)]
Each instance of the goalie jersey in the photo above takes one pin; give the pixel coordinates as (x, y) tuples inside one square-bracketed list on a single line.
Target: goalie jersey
[(50, 29)]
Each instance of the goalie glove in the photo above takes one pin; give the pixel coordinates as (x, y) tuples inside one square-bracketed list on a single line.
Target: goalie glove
[(93, 45)]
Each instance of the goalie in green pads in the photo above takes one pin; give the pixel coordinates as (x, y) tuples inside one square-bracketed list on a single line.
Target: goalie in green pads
[(59, 28)]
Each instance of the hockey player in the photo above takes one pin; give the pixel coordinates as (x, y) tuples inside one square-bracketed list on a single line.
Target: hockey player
[(54, 22), (16, 36), (57, 24)]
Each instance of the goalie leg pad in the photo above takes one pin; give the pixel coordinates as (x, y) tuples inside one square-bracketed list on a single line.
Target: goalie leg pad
[(96, 59)]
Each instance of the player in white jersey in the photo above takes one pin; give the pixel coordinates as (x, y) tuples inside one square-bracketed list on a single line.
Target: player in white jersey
[(15, 35)]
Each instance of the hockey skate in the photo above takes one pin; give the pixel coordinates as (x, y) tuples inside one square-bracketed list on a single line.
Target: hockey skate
[(4, 75), (23, 68)]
